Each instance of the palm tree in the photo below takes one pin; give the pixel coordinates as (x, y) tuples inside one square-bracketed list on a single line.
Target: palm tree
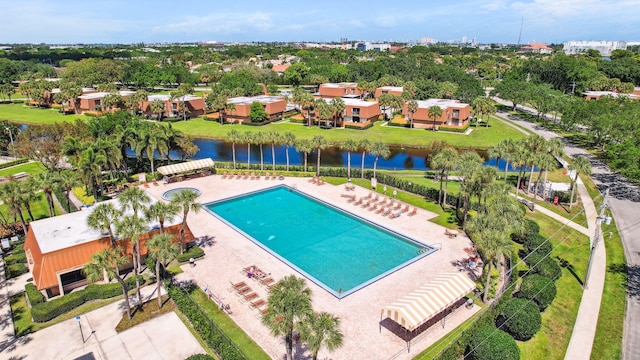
[(446, 160), (469, 164), (502, 150), (289, 139), (305, 100), (306, 147), (479, 107), (131, 227), (412, 107), (102, 217), (289, 303), (324, 111), (337, 108), (536, 145), (170, 136), (186, 201), (378, 149), (260, 138), (581, 165), (48, 182), (107, 262), (136, 199), (545, 163), (157, 106), (247, 137), (162, 251), (320, 329), (90, 166), (28, 194), (68, 180), (161, 212), (363, 145), (520, 157), (274, 138), (435, 112), (349, 145), (150, 139), (234, 136), (319, 143), (11, 194)]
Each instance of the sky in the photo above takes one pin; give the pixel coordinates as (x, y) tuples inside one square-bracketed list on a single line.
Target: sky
[(488, 21)]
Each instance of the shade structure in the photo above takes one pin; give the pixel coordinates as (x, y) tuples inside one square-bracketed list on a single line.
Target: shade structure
[(417, 307), (186, 166)]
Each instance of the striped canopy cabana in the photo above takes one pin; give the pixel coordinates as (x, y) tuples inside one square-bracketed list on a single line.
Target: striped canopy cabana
[(417, 307), (186, 166)]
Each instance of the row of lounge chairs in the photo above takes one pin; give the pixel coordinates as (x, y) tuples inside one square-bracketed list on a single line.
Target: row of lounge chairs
[(385, 206), (317, 180), (247, 294), (252, 176)]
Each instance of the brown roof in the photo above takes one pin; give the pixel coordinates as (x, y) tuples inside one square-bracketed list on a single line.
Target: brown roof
[(280, 68)]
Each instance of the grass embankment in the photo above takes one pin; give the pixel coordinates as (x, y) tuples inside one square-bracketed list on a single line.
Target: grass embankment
[(20, 113), (38, 209), (31, 168), (147, 311)]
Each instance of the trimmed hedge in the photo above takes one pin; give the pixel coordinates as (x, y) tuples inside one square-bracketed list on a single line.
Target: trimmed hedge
[(538, 288), (546, 267), (200, 357), (537, 243), (520, 318), (14, 162), (212, 335), (531, 229), (193, 251), (35, 297), (368, 126), (489, 343), (453, 128), (15, 270), (51, 309)]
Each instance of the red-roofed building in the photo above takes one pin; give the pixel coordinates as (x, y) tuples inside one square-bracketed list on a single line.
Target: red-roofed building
[(537, 47)]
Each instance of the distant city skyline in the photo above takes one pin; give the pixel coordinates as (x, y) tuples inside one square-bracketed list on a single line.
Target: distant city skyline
[(488, 21)]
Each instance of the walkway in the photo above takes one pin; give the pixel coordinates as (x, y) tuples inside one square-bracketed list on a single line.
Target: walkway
[(584, 328)]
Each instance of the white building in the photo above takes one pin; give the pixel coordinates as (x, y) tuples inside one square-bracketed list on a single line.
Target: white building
[(604, 47)]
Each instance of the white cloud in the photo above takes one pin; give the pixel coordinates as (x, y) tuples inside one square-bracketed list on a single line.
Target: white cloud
[(222, 23), (493, 5)]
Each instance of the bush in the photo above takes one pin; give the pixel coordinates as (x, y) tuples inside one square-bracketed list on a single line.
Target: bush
[(538, 288), (531, 229), (544, 266), (368, 126), (489, 343), (193, 251), (14, 163), (16, 270), (18, 101), (34, 296), (537, 243), (520, 318), (16, 258), (453, 128), (396, 124), (90, 114), (200, 357)]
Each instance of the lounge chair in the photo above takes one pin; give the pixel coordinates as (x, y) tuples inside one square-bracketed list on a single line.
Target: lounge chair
[(320, 181), (246, 176), (395, 215), (244, 290), (232, 175), (376, 199), (249, 297), (253, 176), (359, 202), (313, 180), (224, 175), (369, 196), (352, 199), (387, 212), (256, 304), (146, 184), (274, 176), (266, 176), (238, 285), (405, 209), (451, 233), (373, 207), (379, 211), (398, 206), (155, 182), (266, 281), (413, 212), (367, 204), (239, 176), (384, 201)]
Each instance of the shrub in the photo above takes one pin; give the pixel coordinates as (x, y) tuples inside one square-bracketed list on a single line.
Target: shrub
[(531, 229), (16, 258), (200, 357), (539, 289), (397, 124), (544, 266), (14, 163), (537, 243), (90, 114), (520, 318), (192, 252), (453, 128), (489, 343), (16, 270), (33, 295), (368, 126), (18, 101)]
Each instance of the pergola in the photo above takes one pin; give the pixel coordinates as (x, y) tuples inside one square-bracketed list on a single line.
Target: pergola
[(185, 167)]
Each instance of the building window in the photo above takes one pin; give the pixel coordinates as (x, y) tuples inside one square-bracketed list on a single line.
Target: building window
[(174, 106), (29, 256), (98, 103), (355, 112)]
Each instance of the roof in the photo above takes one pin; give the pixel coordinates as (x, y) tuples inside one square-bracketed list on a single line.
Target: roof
[(68, 230), (263, 99), (392, 88), (354, 102), (280, 67), (417, 307), (442, 103), (186, 166), (536, 45), (166, 97), (609, 93), (101, 94), (339, 85)]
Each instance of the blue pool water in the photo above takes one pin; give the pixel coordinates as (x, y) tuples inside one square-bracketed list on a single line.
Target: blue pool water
[(338, 251)]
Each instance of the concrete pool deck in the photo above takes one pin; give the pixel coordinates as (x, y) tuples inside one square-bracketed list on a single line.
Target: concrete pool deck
[(228, 252)]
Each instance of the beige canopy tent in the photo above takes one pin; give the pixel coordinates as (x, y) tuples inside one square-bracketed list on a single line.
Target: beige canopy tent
[(186, 167), (422, 304)]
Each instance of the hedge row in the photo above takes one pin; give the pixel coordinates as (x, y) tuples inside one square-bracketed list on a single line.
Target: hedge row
[(212, 335), (539, 289), (354, 127), (454, 128), (193, 251), (13, 163), (51, 309), (35, 297), (15, 270)]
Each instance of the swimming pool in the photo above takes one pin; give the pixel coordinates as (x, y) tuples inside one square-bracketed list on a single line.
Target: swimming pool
[(339, 251)]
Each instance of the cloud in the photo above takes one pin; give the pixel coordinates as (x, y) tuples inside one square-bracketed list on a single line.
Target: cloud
[(493, 5), (221, 23)]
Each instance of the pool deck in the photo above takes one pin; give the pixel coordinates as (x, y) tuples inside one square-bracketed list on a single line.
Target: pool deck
[(228, 252)]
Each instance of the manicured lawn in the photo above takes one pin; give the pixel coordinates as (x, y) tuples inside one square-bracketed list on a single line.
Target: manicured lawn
[(31, 168), (20, 113), (38, 208), (148, 311), (226, 324), (481, 137), (571, 249)]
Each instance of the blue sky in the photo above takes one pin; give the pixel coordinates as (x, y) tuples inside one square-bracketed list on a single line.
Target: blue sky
[(133, 21)]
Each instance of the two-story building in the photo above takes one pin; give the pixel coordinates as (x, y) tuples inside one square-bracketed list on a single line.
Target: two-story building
[(343, 90), (357, 113), (274, 106), (194, 105), (94, 101), (454, 113), (393, 90)]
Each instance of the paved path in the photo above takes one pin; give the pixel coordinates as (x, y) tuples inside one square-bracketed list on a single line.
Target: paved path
[(584, 328)]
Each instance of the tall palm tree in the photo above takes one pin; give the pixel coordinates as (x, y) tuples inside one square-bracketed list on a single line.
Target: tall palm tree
[(274, 138), (68, 180), (305, 100), (306, 147), (581, 165), (170, 136), (150, 139), (469, 165), (11, 194), (323, 110), (337, 108), (102, 217), (90, 166), (48, 182), (435, 112), (320, 329), (289, 139), (28, 193), (136, 199), (247, 137), (349, 145), (520, 157), (260, 138), (536, 144), (157, 106), (186, 201), (161, 212), (131, 227), (545, 163), (162, 251), (363, 145), (479, 107), (319, 143), (378, 149), (107, 262), (445, 160), (289, 303), (233, 136), (412, 107)]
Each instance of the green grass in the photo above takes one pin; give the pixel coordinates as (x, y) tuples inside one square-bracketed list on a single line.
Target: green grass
[(148, 311), (571, 249), (226, 324), (31, 168), (38, 208), (196, 335), (174, 268), (481, 137), (22, 114)]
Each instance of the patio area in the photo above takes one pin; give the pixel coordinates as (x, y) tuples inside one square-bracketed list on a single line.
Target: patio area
[(228, 253)]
